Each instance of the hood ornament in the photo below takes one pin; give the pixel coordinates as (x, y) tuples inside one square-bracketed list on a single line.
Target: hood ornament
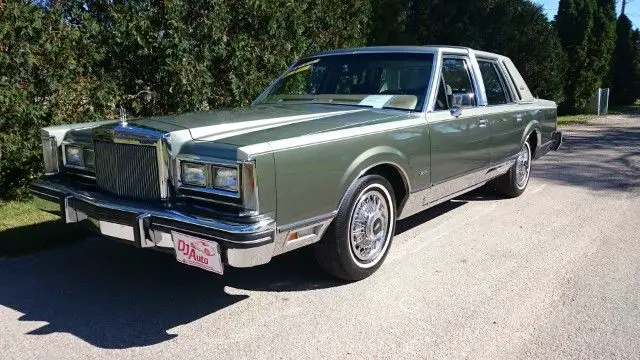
[(123, 116)]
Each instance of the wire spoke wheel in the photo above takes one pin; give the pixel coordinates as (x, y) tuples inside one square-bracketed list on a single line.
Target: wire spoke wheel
[(369, 226), (523, 166)]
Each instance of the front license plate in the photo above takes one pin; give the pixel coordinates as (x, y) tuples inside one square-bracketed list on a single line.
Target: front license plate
[(201, 253)]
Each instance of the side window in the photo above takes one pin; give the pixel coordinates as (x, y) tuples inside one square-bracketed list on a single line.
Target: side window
[(493, 83), (513, 82), (457, 86)]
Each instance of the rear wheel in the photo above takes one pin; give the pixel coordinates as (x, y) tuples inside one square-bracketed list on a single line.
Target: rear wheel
[(358, 240), (513, 183)]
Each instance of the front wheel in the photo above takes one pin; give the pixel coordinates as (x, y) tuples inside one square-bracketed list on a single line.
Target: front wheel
[(513, 183), (358, 240)]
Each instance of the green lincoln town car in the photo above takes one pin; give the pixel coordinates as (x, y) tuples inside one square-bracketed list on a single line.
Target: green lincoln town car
[(335, 151)]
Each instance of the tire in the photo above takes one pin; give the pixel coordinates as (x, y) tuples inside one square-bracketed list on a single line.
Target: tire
[(356, 257), (513, 184)]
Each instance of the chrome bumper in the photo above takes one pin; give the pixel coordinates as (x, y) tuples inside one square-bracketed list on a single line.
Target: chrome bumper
[(150, 225)]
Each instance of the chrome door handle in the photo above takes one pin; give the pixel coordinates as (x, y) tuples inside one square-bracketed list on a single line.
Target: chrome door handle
[(483, 123)]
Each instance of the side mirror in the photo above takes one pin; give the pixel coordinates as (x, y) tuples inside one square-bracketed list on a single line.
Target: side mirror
[(456, 111)]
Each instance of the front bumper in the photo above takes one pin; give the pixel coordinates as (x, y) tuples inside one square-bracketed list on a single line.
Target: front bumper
[(243, 244)]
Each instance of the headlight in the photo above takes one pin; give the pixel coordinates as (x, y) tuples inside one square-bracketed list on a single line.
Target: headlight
[(225, 178), (211, 176), (73, 155), (195, 174)]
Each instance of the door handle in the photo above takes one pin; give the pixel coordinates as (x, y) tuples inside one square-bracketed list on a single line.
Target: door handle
[(483, 123)]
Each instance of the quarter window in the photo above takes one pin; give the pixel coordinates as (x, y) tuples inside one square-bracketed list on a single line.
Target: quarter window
[(493, 83)]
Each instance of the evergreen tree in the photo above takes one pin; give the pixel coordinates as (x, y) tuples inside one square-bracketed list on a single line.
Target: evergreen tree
[(603, 40), (495, 26), (625, 68), (575, 24)]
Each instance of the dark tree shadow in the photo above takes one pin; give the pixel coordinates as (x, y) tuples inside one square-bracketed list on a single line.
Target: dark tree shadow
[(116, 296), (422, 217), (600, 159)]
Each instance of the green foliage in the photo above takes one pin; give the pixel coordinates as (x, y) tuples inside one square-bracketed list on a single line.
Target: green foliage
[(587, 32), (75, 60), (603, 40), (625, 69), (46, 77), (495, 26)]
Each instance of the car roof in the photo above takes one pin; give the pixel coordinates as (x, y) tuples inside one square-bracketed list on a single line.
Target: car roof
[(407, 49)]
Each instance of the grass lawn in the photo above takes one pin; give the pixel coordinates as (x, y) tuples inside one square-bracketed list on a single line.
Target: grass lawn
[(17, 214), (24, 228), (575, 119)]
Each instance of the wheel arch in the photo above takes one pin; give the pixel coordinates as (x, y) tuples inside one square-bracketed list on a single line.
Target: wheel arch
[(385, 161), (532, 132)]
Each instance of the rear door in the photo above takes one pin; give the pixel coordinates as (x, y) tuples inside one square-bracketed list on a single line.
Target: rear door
[(459, 130), (502, 111)]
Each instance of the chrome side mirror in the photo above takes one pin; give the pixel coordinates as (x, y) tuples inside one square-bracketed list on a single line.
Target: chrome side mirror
[(456, 111)]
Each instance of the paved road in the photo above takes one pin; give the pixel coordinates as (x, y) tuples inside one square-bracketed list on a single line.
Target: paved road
[(552, 274)]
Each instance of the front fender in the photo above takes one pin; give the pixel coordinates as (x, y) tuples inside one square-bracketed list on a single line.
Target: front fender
[(371, 158)]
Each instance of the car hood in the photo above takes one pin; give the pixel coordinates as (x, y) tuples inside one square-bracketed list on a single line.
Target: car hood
[(269, 122), (242, 126)]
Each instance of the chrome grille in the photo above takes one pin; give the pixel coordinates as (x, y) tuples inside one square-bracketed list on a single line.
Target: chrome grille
[(127, 170)]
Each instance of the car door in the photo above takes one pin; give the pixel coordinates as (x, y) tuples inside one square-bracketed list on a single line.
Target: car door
[(459, 130), (503, 112)]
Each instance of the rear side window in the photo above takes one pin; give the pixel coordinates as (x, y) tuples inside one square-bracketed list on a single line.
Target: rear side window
[(513, 82), (493, 83)]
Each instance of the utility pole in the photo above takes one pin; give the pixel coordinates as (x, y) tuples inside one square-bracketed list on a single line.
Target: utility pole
[(624, 4)]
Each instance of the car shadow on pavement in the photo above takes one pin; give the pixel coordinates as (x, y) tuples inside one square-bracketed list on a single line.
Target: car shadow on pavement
[(115, 296)]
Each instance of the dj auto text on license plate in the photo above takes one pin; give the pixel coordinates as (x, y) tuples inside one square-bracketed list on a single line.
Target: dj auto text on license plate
[(197, 252)]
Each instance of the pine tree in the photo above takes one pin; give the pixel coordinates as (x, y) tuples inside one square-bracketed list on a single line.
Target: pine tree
[(624, 72), (575, 24), (603, 40)]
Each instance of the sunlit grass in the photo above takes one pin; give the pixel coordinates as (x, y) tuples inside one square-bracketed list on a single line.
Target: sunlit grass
[(575, 119)]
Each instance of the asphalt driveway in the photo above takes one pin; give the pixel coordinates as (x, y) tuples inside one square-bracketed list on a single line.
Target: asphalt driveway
[(552, 274)]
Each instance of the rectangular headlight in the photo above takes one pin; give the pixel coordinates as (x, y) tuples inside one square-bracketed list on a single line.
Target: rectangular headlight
[(73, 155), (225, 178), (195, 174), (50, 155)]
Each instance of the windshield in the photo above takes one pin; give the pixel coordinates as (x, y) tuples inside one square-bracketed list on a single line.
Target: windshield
[(382, 80)]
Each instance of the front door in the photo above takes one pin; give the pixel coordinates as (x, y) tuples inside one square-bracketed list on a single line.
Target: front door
[(459, 129)]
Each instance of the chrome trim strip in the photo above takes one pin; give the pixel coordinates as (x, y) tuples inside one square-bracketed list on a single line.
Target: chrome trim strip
[(82, 175), (283, 245), (413, 120), (308, 222), (439, 193), (249, 188), (52, 145)]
